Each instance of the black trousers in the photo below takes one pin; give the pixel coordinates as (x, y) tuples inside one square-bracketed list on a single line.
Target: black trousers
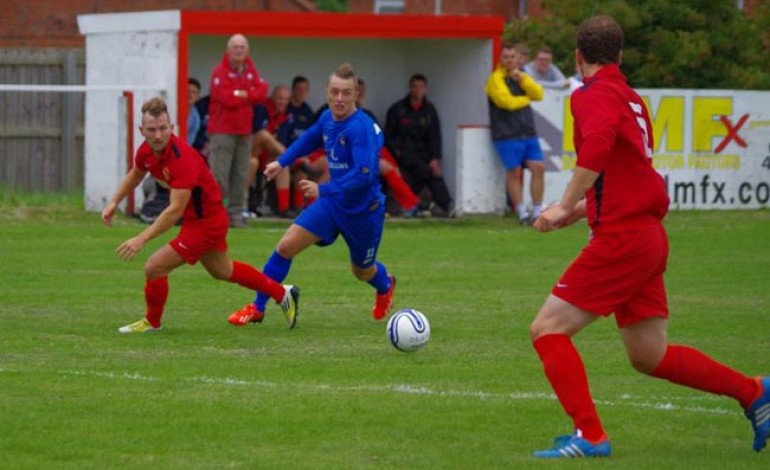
[(416, 171)]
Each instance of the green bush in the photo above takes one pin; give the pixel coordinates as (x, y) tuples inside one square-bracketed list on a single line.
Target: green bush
[(685, 44)]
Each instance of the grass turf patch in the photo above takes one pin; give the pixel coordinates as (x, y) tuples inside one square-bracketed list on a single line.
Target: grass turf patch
[(333, 393)]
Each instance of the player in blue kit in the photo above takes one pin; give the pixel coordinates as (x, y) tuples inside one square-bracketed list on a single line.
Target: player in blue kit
[(351, 204)]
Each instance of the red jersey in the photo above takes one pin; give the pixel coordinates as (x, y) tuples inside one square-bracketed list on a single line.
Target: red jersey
[(182, 167), (613, 137), (230, 114)]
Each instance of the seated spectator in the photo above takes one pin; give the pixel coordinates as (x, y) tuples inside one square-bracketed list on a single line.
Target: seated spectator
[(302, 117), (413, 136), (389, 167), (271, 133), (156, 199), (193, 116), (545, 72), (201, 140), (300, 113)]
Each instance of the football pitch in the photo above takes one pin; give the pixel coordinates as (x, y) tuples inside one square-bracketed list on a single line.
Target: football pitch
[(332, 393)]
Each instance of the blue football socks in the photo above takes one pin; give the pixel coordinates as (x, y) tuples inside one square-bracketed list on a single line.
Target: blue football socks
[(381, 280), (276, 268)]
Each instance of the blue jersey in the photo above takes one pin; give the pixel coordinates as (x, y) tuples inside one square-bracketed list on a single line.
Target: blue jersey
[(352, 150)]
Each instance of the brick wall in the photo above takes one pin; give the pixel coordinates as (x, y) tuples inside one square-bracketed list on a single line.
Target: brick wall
[(53, 23), (504, 8)]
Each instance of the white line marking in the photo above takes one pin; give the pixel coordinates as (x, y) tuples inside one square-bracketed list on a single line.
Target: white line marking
[(650, 402)]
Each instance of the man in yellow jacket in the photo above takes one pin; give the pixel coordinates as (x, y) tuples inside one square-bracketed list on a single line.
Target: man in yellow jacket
[(510, 92)]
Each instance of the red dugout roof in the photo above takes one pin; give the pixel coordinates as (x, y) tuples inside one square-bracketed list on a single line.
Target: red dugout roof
[(327, 25)]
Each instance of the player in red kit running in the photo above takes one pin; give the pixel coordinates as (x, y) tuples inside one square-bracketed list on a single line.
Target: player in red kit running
[(196, 199), (621, 269)]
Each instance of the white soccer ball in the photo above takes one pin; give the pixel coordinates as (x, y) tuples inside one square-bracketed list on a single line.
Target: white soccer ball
[(408, 330)]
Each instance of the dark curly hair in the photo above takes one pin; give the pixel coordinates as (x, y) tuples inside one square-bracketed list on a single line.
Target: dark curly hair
[(600, 40)]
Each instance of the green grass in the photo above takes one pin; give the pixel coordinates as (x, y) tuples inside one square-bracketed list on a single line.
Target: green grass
[(201, 394)]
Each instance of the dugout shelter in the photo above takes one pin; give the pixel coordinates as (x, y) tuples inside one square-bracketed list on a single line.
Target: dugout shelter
[(161, 49)]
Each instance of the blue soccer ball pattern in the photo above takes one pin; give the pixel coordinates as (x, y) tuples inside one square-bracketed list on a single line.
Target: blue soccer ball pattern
[(408, 330)]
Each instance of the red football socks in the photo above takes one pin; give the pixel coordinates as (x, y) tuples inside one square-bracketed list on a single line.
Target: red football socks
[(283, 199), (155, 295), (686, 366), (681, 365), (249, 277), (564, 369), (298, 199)]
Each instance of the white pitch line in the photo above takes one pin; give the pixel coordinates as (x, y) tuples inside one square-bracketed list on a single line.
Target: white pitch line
[(664, 403)]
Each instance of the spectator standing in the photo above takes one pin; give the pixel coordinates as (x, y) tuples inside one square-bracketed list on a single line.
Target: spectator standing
[(413, 136), (235, 88), (510, 92), (196, 199), (621, 269), (522, 55), (543, 70)]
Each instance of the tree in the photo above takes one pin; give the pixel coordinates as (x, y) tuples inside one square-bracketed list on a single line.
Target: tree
[(683, 44), (332, 5)]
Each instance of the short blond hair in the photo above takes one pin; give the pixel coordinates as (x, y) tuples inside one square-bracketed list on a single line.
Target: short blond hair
[(345, 71), (155, 107)]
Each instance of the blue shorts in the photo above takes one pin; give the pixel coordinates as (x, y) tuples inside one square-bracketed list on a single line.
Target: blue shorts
[(362, 232), (514, 152)]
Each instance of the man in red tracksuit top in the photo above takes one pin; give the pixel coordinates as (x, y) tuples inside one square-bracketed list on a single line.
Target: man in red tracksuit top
[(621, 269), (235, 88)]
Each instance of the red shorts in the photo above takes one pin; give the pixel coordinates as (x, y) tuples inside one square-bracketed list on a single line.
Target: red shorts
[(198, 237), (620, 271)]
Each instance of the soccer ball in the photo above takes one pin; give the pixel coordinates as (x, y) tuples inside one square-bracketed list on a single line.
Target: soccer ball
[(408, 330)]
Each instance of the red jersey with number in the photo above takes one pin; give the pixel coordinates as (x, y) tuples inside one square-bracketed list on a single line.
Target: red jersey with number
[(613, 137), (182, 167)]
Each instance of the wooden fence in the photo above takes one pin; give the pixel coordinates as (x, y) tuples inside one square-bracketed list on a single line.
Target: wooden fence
[(41, 133)]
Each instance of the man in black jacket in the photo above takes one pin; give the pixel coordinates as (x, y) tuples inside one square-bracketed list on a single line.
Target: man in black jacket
[(413, 136)]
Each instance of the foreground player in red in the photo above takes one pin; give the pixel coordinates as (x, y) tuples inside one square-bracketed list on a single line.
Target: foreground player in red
[(195, 198), (621, 269)]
